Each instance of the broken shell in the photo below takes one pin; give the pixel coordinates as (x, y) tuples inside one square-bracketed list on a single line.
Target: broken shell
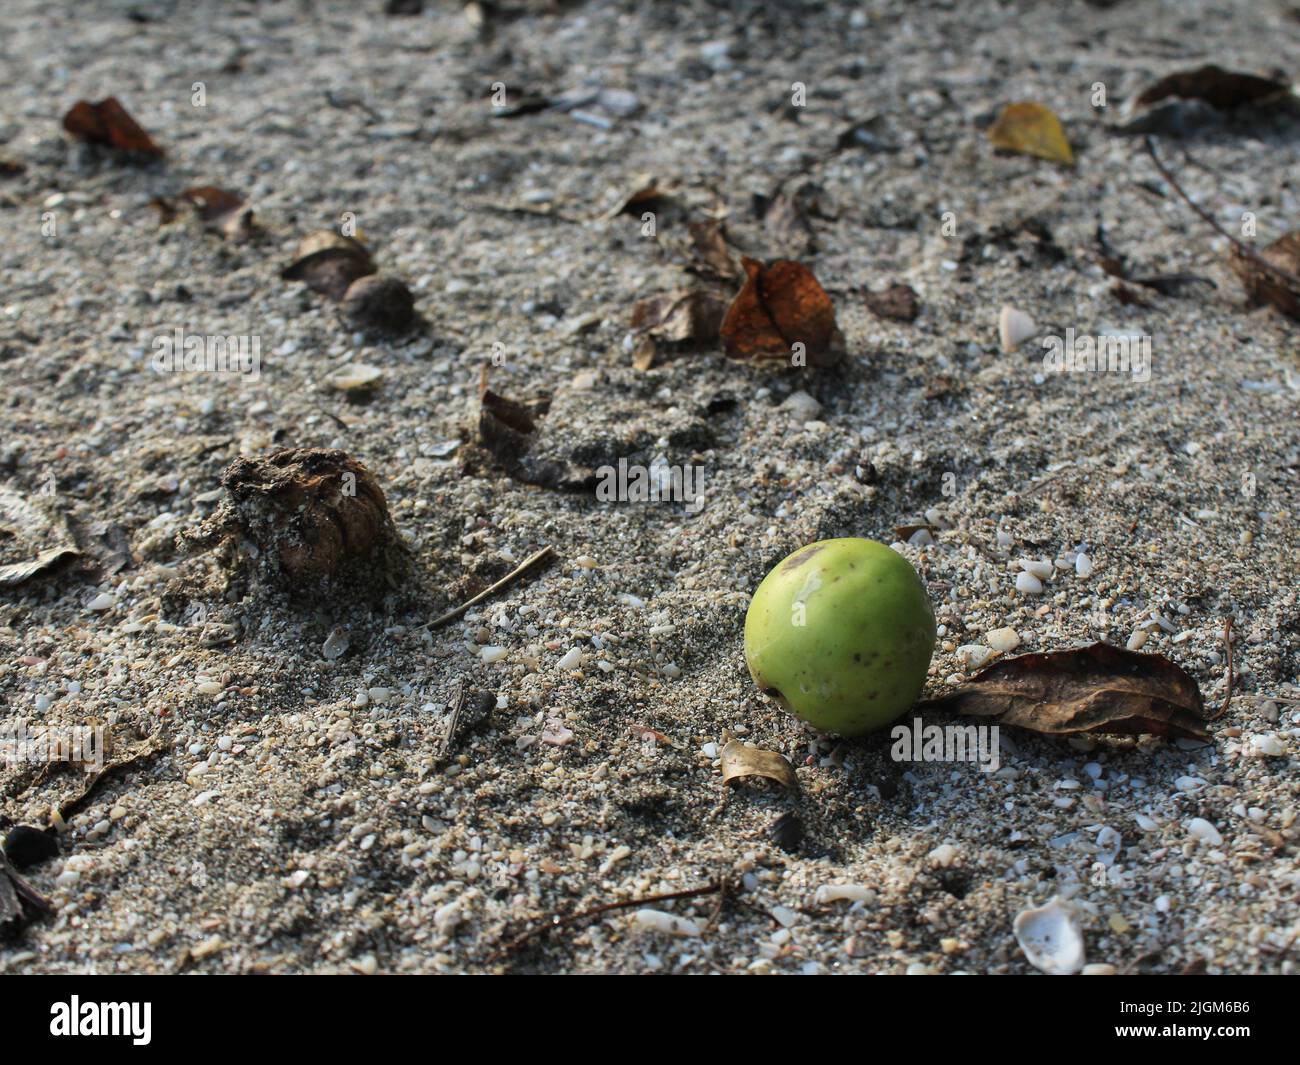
[(1014, 328), (355, 377), (381, 303), (1050, 938), (329, 262)]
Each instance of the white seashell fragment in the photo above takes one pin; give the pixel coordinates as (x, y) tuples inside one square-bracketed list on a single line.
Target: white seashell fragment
[(1050, 938), (973, 656), (570, 660), (1083, 565), (1267, 744), (848, 892), (354, 377), (1038, 567), (668, 923), (103, 601), (335, 643), (1201, 829), (1014, 328)]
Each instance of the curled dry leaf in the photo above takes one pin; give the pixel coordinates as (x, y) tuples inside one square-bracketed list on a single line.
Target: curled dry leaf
[(779, 307), (898, 302), (1221, 89), (108, 123), (34, 531), (1031, 129), (740, 760), (1280, 290), (689, 316), (505, 427), (222, 211), (329, 262), (645, 193), (1098, 688)]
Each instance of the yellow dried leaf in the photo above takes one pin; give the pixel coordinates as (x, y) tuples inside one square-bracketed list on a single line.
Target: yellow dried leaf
[(1031, 129), (740, 760)]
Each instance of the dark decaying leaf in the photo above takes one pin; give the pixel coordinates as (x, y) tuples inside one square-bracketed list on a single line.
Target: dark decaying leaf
[(222, 211), (1267, 286), (740, 760), (781, 305), (35, 531), (710, 250), (108, 123), (329, 262), (898, 302), (1095, 689), (505, 427), (1222, 89), (686, 317)]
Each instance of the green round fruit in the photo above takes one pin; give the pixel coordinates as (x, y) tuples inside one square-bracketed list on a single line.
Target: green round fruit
[(841, 634)]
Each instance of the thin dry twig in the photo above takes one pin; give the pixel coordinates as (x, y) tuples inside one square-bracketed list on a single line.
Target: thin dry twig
[(554, 921), (1245, 249), (1227, 639), (527, 564)]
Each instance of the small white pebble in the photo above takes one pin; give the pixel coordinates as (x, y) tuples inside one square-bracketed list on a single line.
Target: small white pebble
[(1201, 829), (1083, 565), (570, 660), (1003, 640), (1028, 584)]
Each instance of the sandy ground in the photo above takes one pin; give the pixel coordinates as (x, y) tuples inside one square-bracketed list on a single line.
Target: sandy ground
[(294, 816)]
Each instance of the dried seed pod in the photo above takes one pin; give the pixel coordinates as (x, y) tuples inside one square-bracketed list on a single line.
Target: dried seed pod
[(381, 303), (306, 515), (329, 262)]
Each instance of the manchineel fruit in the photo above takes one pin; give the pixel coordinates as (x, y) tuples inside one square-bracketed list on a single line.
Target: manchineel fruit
[(841, 633)]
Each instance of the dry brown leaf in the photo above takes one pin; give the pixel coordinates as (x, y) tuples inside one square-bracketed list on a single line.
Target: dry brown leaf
[(505, 427), (779, 307), (108, 123), (1266, 286), (223, 211), (329, 262), (1031, 129), (1099, 688), (689, 316), (740, 760), (1222, 89)]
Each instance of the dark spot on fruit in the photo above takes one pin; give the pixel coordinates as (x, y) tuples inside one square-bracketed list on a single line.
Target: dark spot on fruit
[(797, 560), (857, 657)]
